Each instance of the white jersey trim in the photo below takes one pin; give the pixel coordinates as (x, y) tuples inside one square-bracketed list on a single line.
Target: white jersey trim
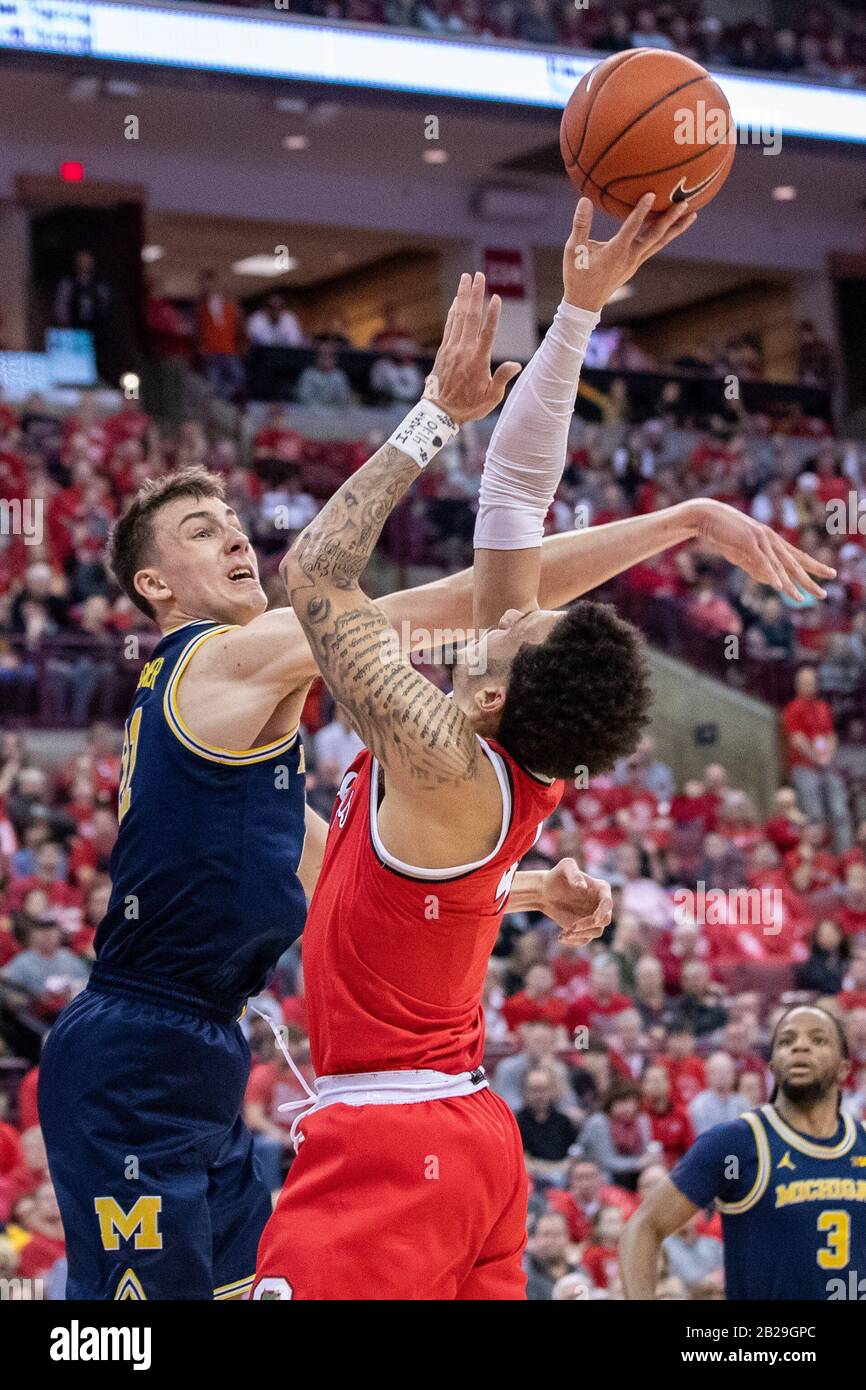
[(457, 870)]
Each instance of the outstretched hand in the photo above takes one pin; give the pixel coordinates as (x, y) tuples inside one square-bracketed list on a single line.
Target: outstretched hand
[(593, 270), (460, 382), (755, 548)]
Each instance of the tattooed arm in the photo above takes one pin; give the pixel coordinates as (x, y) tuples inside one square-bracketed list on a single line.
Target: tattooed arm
[(423, 741)]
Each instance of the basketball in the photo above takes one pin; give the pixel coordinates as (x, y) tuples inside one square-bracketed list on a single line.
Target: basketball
[(647, 121)]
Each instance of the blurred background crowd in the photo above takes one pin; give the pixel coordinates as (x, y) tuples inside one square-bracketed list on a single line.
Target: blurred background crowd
[(822, 41)]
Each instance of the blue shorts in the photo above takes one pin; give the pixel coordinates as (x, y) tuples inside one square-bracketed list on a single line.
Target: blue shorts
[(140, 1096)]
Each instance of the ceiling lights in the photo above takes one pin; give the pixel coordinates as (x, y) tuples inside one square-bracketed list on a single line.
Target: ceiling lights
[(264, 265)]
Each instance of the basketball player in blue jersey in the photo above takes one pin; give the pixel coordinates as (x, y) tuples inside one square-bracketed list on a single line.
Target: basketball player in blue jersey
[(142, 1078), (789, 1180)]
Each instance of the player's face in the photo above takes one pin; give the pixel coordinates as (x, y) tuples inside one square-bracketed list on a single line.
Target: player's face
[(489, 658), (807, 1060), (205, 561)]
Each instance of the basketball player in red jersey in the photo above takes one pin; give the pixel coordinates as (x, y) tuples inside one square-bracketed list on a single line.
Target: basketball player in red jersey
[(410, 1181)]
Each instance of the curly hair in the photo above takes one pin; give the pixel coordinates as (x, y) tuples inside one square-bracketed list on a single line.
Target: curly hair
[(131, 542), (580, 699)]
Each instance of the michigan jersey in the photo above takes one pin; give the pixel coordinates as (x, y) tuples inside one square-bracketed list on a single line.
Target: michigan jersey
[(793, 1207), (205, 894)]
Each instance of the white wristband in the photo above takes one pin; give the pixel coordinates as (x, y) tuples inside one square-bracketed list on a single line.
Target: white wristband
[(425, 430)]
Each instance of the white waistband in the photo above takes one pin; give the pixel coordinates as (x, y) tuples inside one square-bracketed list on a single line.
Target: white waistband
[(371, 1087), (396, 1087)]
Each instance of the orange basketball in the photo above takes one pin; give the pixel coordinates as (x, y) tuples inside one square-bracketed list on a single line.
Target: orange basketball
[(647, 121)]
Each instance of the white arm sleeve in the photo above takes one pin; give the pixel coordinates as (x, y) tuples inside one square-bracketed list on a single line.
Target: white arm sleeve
[(526, 455)]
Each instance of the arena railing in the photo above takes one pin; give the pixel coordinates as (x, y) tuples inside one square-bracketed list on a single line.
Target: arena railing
[(273, 374)]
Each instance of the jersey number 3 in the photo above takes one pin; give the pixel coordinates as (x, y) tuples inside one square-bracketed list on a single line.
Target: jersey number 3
[(131, 731), (837, 1252)]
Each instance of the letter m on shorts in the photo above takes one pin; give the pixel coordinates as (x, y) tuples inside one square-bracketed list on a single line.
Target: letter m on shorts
[(141, 1221)]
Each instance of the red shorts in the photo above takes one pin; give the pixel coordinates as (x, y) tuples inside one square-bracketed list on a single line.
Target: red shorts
[(420, 1201)]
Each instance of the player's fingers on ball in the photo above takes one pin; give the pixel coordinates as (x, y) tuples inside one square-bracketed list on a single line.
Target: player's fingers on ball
[(637, 217), (653, 232), (581, 223), (681, 225)]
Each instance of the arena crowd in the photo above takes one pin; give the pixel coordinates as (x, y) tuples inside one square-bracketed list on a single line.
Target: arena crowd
[(822, 42)]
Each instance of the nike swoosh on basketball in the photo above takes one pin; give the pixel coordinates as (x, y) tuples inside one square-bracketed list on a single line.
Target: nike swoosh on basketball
[(681, 193)]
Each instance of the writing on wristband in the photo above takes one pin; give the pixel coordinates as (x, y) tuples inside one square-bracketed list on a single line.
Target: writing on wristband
[(424, 431)]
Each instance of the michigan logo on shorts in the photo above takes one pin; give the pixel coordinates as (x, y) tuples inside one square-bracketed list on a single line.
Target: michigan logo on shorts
[(129, 1288), (140, 1222)]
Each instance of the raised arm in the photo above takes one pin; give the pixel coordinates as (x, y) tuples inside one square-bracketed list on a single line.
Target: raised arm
[(527, 452), (423, 741), (237, 680)]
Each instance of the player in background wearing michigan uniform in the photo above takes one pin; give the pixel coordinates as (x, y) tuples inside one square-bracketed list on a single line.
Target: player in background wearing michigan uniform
[(410, 1179), (788, 1178)]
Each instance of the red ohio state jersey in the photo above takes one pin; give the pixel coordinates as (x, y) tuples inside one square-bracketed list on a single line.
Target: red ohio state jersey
[(395, 956)]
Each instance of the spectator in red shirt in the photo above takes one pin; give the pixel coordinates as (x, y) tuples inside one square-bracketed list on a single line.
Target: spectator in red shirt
[(823, 866), (584, 1196), (276, 448), (32, 1169), (601, 1258), (853, 995), (784, 829), (602, 1000), (812, 745), (220, 338), (28, 1109), (710, 612), (851, 913), (671, 1126), (695, 804), (10, 1149), (46, 1244), (273, 1083), (64, 902), (686, 1071), (677, 948), (536, 1002)]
